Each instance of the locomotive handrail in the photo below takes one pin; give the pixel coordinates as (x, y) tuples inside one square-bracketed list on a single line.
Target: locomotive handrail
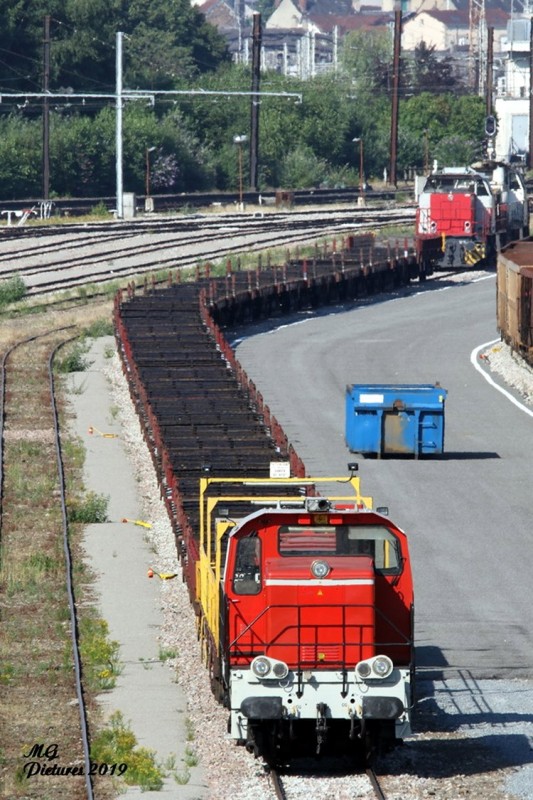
[(299, 606)]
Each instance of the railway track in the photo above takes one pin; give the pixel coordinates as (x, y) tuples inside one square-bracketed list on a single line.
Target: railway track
[(41, 665), (69, 257), (302, 786)]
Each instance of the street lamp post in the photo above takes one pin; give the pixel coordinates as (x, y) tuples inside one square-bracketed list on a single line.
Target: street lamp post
[(361, 170), (148, 201), (239, 141)]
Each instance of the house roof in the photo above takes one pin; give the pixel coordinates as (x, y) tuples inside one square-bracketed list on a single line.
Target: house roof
[(349, 22), (460, 18)]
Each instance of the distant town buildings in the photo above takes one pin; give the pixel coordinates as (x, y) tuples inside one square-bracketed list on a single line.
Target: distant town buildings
[(303, 38)]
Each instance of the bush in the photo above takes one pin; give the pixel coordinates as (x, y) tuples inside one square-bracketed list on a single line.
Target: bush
[(92, 509), (100, 210), (75, 360), (12, 290)]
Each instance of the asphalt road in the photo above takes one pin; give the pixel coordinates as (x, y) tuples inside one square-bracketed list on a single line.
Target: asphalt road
[(468, 513)]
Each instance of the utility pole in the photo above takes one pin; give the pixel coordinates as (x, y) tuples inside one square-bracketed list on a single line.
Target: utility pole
[(530, 153), (46, 109), (255, 102), (490, 63), (395, 92), (477, 19), (118, 128)]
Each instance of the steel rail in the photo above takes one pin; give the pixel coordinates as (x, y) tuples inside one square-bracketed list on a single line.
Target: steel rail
[(277, 785), (74, 628), (372, 777)]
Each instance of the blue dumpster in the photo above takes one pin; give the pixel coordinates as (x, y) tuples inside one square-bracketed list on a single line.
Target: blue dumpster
[(395, 419)]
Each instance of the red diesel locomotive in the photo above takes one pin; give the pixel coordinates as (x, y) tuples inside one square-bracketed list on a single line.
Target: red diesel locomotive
[(466, 215), (307, 605)]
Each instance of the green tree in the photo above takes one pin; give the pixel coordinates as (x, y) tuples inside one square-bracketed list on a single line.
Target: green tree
[(20, 158), (424, 71), (169, 40), (166, 39), (366, 57), (83, 153)]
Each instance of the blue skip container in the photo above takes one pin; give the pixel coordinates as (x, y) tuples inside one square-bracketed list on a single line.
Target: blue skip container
[(395, 419)]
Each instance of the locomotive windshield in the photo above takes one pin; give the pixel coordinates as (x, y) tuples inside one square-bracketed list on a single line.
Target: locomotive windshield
[(247, 575), (375, 541), (449, 184)]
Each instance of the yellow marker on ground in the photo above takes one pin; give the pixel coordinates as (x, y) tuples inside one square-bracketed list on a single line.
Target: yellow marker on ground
[(138, 522), (165, 576), (92, 429)]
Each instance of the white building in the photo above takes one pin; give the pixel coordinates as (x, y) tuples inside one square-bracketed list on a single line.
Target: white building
[(511, 103)]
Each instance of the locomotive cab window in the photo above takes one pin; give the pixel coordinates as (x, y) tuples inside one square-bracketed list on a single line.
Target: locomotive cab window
[(247, 574), (376, 541)]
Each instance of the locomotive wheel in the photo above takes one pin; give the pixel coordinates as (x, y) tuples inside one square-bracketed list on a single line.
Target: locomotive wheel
[(266, 739)]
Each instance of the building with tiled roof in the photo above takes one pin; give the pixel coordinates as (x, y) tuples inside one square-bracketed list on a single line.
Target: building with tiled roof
[(447, 30)]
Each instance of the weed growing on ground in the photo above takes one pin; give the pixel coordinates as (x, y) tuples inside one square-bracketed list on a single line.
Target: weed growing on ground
[(189, 727), (88, 510), (165, 653), (182, 778), (117, 744), (100, 655), (191, 759), (75, 359)]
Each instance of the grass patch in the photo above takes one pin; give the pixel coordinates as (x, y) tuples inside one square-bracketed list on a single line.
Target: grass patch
[(89, 510), (74, 451), (29, 483), (29, 578), (166, 653), (7, 673), (117, 744), (101, 327)]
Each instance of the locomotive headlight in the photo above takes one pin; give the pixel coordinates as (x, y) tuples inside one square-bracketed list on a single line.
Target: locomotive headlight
[(377, 667), (261, 666), (320, 569), (382, 666), (280, 670), (363, 669)]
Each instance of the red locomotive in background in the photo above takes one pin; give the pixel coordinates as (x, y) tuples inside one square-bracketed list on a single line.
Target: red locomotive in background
[(307, 604), (466, 215)]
